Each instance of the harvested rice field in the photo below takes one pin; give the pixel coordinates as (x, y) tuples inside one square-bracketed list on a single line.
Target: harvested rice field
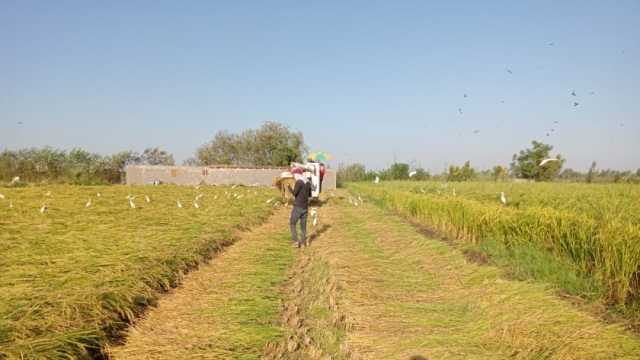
[(78, 264), (223, 281)]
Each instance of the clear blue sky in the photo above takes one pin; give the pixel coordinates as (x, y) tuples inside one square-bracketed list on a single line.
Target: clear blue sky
[(368, 81)]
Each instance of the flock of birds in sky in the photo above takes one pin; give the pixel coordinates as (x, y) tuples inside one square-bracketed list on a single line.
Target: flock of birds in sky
[(573, 94)]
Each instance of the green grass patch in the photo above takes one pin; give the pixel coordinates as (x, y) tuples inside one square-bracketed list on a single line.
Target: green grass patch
[(251, 312), (527, 262)]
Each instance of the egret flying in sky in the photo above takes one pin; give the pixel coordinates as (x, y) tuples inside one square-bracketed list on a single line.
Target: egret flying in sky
[(546, 161)]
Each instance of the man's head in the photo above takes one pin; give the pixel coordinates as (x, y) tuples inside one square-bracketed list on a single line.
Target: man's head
[(298, 174)]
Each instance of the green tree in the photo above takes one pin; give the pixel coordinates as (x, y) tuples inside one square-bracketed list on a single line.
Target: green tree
[(398, 171), (591, 173), (464, 173), (353, 172), (113, 167), (421, 175), (526, 164), (499, 173), (83, 167), (273, 144), (571, 175), (156, 156)]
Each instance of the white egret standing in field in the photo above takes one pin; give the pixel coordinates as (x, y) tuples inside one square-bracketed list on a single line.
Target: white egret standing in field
[(195, 205), (269, 201), (98, 194), (15, 180), (179, 204), (412, 173), (147, 199), (546, 161), (88, 204), (131, 203), (2, 196), (503, 198), (377, 180), (43, 209), (314, 215)]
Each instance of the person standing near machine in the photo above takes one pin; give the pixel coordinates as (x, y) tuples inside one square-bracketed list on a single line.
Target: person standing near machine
[(301, 193)]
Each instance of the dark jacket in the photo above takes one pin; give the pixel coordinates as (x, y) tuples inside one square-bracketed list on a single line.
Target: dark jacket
[(302, 193)]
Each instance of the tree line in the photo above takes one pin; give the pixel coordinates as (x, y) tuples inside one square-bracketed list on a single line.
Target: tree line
[(272, 144), (77, 166), (526, 165)]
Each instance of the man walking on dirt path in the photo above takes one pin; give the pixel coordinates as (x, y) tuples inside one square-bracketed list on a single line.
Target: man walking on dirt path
[(301, 192)]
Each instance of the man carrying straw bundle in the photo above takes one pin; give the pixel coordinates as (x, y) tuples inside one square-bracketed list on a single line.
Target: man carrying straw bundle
[(301, 193)]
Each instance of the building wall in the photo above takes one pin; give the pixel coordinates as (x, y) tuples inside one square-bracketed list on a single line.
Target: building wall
[(191, 175)]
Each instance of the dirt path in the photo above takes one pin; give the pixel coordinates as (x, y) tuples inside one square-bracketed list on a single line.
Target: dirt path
[(227, 309), (369, 287), (384, 291)]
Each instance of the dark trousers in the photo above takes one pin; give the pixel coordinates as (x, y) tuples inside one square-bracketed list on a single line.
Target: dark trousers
[(298, 214)]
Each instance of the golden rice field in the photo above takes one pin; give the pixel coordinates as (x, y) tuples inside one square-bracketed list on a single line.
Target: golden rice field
[(595, 227), (79, 263)]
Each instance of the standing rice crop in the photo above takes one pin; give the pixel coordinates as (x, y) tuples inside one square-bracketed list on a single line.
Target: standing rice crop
[(604, 245)]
